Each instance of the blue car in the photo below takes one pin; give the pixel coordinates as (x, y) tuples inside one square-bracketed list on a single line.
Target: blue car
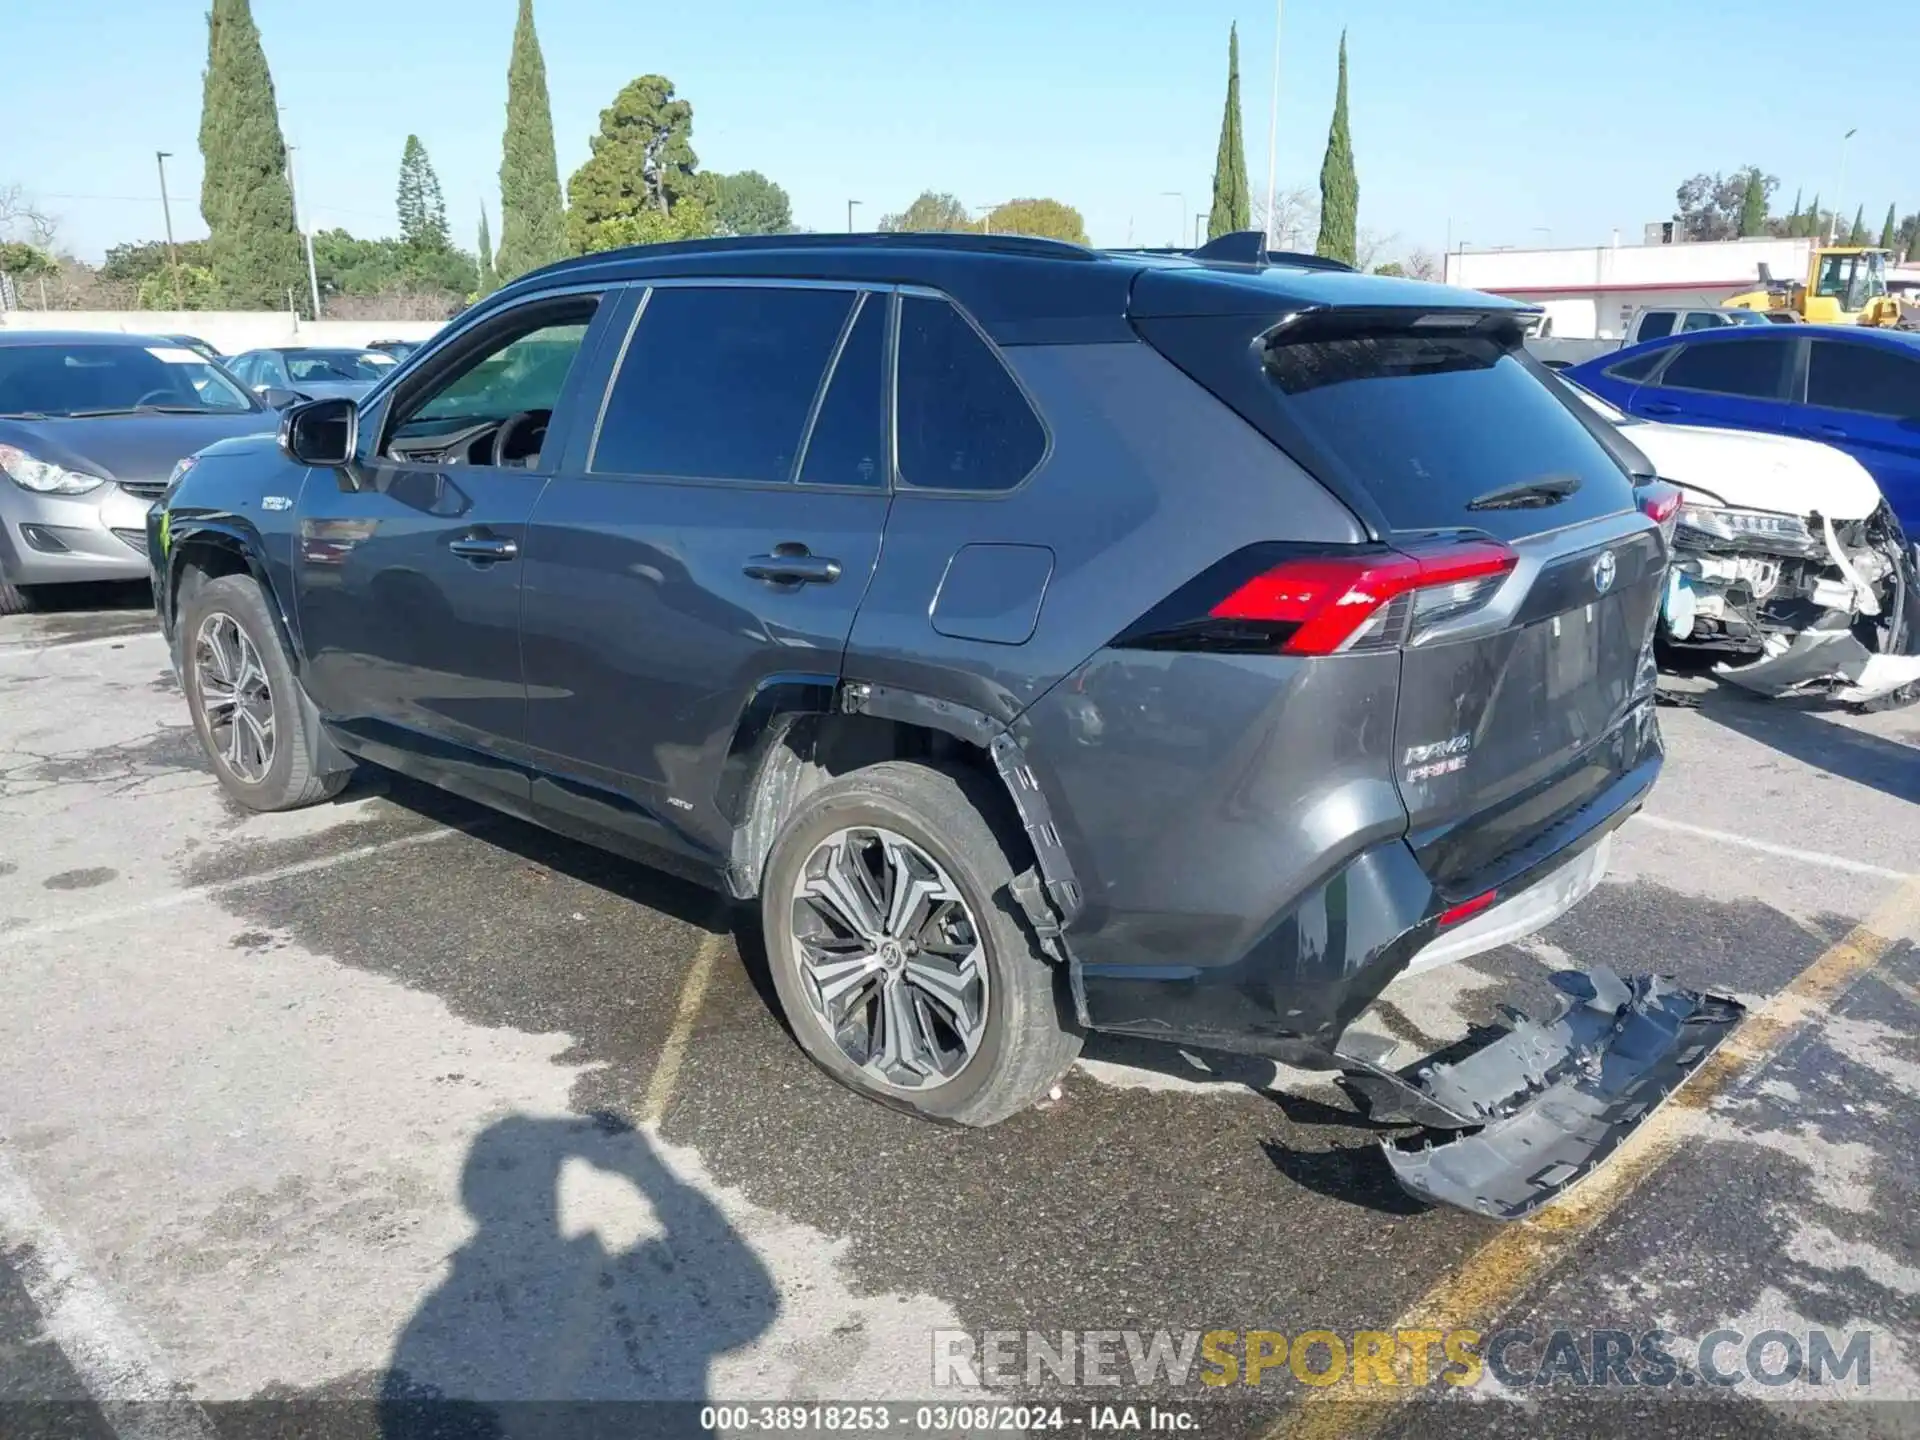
[(1850, 386)]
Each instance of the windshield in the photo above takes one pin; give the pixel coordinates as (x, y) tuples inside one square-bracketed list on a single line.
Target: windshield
[(113, 379), (337, 365)]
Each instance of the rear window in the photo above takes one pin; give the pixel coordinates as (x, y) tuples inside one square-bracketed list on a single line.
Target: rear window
[(1755, 368), (1640, 366), (1655, 323), (962, 422), (1429, 423)]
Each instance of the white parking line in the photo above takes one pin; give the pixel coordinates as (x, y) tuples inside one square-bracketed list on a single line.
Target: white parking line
[(1767, 847), (177, 898), (111, 1357)]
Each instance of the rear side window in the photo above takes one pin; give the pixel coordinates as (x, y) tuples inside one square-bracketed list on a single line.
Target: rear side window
[(1429, 423), (1639, 367), (1755, 368), (1863, 378), (1656, 323), (962, 422), (718, 381), (1703, 320)]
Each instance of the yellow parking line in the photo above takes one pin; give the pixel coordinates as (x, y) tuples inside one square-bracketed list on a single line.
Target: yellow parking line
[(1482, 1287), (693, 990)]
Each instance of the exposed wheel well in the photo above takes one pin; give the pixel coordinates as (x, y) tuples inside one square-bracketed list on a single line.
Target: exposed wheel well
[(811, 750), (201, 560)]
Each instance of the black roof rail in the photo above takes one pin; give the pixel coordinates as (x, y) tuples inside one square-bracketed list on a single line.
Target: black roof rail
[(960, 241)]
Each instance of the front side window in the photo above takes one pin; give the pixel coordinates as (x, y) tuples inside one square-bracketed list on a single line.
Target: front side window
[(1754, 368), (1655, 324), (718, 382), (1863, 378), (962, 421), (85, 379), (510, 374)]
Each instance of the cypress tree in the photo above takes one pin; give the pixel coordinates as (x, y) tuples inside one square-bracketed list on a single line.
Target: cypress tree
[(419, 203), (1339, 186), (1814, 226), (1793, 220), (533, 230), (1232, 205), (1858, 235), (1753, 206), (489, 282), (1887, 230), (253, 245)]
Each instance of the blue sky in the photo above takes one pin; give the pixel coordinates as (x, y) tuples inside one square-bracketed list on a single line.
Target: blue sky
[(1490, 121)]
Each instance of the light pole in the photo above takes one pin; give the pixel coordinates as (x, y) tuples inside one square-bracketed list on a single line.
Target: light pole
[(1180, 215), (1273, 122), (986, 215), (850, 205), (306, 236), (1833, 230), (1198, 216), (166, 211)]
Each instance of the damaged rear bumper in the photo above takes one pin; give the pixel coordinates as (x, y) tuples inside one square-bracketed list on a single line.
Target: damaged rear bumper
[(1537, 1109)]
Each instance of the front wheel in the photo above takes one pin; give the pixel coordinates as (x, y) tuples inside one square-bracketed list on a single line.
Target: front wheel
[(244, 699), (906, 968)]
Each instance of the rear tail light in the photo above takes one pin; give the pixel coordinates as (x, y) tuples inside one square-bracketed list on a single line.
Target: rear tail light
[(1325, 603)]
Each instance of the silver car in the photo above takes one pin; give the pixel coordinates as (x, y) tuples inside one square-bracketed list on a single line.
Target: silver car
[(92, 426), (312, 372)]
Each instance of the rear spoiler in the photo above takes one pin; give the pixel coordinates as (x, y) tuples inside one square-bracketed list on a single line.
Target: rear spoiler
[(1245, 247)]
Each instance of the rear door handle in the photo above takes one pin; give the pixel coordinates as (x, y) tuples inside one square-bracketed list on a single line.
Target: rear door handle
[(791, 563), (484, 549), (1832, 432), (1659, 407)]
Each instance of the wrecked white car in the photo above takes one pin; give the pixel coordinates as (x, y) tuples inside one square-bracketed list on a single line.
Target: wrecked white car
[(1786, 560)]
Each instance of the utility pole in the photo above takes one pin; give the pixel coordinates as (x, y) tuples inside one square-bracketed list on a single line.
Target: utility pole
[(166, 210), (1198, 216), (1273, 122), (850, 205), (306, 236)]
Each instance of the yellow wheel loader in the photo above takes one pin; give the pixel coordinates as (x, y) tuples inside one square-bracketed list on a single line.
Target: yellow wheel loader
[(1845, 285)]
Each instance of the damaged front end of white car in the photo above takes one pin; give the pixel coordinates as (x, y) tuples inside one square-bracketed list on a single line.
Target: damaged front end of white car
[(1814, 602)]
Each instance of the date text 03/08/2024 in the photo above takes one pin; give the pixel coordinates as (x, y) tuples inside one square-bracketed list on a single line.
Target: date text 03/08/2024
[(965, 1418)]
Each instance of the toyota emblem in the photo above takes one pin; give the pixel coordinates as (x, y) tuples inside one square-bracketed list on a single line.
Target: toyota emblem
[(1604, 570)]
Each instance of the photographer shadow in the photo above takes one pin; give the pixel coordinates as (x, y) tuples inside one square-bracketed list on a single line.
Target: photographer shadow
[(537, 1332)]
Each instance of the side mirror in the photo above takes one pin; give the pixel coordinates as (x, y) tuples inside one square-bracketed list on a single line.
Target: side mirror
[(276, 398), (322, 433)]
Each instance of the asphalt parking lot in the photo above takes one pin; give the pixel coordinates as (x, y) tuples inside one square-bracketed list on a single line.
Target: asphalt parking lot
[(396, 1098)]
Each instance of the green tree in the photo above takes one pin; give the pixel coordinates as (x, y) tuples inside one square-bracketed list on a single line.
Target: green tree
[(419, 204), (244, 194), (1791, 225), (133, 262), (1392, 267), (1888, 230), (489, 282), (19, 259), (1232, 204), (748, 203), (688, 220), (1048, 219), (642, 160), (1858, 235), (1339, 186), (198, 290), (932, 210), (1815, 224), (533, 231), (1753, 205)]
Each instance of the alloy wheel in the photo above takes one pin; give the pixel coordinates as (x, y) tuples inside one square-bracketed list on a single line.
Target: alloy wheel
[(235, 696), (891, 957)]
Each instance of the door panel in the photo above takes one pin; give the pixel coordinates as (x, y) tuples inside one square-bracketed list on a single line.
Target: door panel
[(1865, 399), (408, 563), (680, 568), (1739, 381)]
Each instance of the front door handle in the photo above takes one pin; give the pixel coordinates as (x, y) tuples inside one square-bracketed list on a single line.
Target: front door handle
[(484, 549), (791, 563), (1831, 432)]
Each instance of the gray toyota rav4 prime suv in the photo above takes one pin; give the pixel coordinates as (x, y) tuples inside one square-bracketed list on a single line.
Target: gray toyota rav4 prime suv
[(1046, 640)]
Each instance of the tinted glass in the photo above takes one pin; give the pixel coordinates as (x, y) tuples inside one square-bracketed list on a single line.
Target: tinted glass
[(243, 368), (1656, 323), (1429, 423), (1639, 367), (525, 373), (1703, 320), (962, 422), (717, 383), (1754, 367), (80, 379), (849, 441), (1863, 378)]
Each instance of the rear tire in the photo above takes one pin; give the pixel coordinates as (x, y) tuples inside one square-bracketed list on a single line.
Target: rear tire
[(245, 700), (981, 1058), (14, 600)]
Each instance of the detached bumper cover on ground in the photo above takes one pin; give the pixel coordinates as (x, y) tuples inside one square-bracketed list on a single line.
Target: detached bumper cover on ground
[(1545, 1103)]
